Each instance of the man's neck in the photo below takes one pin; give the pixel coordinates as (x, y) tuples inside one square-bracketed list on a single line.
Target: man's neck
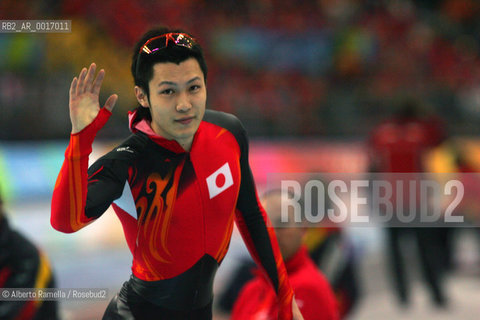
[(187, 145)]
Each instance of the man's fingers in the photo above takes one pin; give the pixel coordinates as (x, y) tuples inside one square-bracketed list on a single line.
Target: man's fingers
[(89, 78), (110, 103), (73, 87), (81, 81), (97, 84)]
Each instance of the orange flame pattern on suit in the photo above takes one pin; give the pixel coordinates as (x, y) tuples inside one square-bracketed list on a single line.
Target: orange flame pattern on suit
[(154, 222)]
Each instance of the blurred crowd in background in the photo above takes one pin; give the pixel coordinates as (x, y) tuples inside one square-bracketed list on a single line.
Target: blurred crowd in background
[(287, 68)]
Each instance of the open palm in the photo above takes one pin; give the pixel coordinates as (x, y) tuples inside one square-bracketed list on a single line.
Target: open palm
[(84, 102)]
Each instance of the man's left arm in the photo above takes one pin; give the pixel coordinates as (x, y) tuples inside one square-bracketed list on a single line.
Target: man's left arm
[(260, 240)]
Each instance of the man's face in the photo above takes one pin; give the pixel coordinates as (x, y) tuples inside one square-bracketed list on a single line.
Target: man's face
[(289, 235), (178, 96)]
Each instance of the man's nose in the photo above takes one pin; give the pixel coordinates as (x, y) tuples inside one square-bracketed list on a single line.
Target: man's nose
[(183, 103)]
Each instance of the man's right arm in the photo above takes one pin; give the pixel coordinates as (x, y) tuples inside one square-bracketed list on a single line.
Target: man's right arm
[(70, 193), (87, 118)]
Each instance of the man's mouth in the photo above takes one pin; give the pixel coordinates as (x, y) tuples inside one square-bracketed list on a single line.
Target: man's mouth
[(186, 120)]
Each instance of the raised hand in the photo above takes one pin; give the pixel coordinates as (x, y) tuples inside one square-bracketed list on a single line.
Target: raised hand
[(84, 102)]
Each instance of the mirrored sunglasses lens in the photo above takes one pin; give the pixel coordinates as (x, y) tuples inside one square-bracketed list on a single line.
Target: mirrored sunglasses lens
[(154, 45), (184, 41)]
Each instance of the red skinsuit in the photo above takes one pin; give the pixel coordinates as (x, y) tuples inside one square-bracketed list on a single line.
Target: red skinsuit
[(177, 208)]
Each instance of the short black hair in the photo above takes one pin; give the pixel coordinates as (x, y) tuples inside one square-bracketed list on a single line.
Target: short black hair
[(176, 54)]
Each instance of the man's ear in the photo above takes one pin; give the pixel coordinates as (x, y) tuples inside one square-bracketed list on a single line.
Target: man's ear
[(141, 97)]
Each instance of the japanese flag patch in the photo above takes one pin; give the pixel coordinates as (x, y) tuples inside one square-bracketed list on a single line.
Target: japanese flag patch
[(219, 181)]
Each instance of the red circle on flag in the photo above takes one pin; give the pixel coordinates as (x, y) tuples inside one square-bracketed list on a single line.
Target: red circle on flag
[(220, 180)]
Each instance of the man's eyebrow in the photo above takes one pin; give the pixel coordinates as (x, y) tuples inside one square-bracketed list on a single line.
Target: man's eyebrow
[(168, 83), (175, 84), (194, 79)]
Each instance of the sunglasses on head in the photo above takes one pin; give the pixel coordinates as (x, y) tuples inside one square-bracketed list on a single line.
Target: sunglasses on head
[(160, 42)]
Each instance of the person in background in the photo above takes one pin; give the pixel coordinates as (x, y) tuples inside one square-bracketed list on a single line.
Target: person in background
[(313, 293), (23, 265), (399, 145), (334, 254), (467, 169)]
